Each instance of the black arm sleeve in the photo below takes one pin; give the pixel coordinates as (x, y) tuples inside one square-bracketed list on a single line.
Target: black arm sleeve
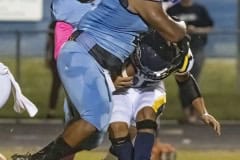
[(189, 90)]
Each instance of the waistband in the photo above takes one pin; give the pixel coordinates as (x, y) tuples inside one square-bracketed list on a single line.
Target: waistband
[(106, 59)]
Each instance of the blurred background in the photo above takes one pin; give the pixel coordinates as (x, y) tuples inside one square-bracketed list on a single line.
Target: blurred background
[(24, 35), (24, 32)]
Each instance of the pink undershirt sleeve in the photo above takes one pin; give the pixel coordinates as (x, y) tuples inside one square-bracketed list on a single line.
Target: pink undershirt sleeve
[(62, 33)]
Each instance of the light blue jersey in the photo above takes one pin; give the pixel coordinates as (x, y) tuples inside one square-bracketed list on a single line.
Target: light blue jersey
[(113, 27), (71, 11)]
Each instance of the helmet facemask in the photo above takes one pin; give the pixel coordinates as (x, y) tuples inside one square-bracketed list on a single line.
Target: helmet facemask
[(155, 59)]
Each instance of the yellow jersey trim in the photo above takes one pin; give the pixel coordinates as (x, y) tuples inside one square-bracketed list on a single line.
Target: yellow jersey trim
[(159, 102)]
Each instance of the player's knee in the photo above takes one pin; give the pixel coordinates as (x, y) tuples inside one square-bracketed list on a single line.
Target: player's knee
[(118, 129), (146, 125), (92, 142), (146, 113), (76, 127)]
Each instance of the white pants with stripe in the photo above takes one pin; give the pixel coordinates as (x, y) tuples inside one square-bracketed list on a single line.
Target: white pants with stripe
[(126, 104)]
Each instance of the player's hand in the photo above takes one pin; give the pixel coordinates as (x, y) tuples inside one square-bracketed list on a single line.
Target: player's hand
[(163, 151), (210, 120), (123, 82)]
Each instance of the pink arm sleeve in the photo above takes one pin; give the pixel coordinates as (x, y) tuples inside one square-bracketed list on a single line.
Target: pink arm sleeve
[(62, 33)]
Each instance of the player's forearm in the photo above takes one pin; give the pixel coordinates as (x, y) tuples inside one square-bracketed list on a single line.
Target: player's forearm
[(200, 30), (153, 13), (189, 88), (199, 106), (204, 29), (174, 31)]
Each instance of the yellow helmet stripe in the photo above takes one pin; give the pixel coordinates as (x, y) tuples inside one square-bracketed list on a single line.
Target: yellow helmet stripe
[(185, 63)]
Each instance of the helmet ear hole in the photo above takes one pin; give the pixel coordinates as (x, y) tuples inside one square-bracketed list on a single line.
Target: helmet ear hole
[(5, 89)]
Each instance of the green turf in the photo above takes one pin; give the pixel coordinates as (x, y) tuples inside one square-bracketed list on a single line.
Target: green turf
[(181, 154), (35, 83), (208, 155), (217, 82)]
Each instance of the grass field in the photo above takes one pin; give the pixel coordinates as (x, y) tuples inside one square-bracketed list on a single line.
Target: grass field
[(217, 82), (181, 155)]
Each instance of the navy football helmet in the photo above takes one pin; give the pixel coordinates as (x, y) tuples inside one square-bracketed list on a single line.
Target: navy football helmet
[(155, 58)]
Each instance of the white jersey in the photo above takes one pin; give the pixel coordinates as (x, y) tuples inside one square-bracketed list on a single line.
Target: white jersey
[(126, 104), (5, 86), (8, 84)]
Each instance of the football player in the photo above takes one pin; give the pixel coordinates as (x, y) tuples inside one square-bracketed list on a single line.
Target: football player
[(154, 60), (104, 39)]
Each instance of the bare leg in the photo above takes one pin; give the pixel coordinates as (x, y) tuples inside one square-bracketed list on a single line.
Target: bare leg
[(78, 131), (74, 134)]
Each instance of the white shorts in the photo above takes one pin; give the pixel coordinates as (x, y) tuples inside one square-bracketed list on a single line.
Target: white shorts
[(127, 104)]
